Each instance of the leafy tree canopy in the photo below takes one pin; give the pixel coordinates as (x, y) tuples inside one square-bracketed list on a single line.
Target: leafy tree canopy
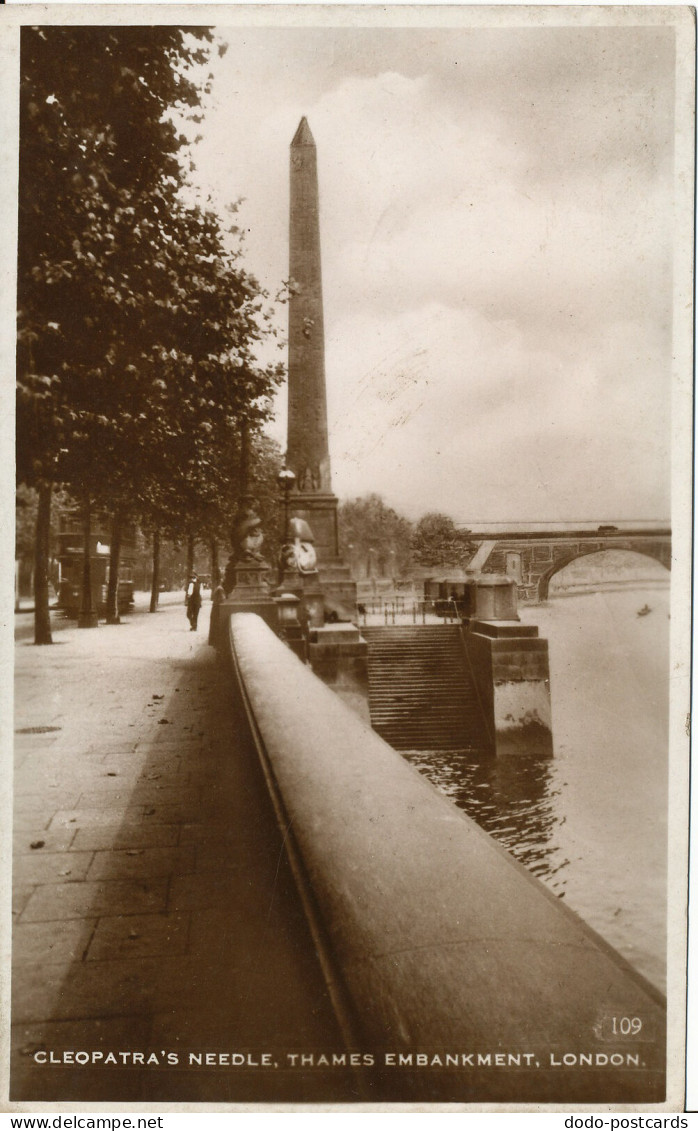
[(367, 523), (137, 325), (438, 542)]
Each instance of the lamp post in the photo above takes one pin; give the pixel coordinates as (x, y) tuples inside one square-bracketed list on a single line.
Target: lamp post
[(285, 479), (87, 617)]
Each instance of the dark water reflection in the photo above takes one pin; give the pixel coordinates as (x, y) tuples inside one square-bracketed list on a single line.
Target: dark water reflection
[(590, 822), (513, 797)]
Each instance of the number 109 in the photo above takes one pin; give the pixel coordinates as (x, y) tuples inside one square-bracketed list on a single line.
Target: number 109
[(626, 1026)]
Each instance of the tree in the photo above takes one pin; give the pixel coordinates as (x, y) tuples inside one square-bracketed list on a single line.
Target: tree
[(368, 524), (438, 542), (26, 515), (137, 324), (86, 96), (266, 461)]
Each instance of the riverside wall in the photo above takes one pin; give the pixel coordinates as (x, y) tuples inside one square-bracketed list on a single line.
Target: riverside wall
[(445, 945)]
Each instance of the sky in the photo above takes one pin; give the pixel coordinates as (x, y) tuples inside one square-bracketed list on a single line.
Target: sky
[(496, 225)]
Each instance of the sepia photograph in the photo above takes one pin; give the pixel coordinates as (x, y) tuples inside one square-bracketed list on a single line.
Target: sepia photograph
[(348, 358)]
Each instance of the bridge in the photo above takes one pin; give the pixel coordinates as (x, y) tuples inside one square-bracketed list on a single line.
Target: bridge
[(533, 557)]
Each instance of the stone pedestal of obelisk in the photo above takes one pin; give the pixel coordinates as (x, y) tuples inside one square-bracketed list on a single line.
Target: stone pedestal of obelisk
[(308, 453)]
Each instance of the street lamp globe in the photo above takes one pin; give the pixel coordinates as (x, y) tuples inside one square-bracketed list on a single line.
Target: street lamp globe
[(286, 479)]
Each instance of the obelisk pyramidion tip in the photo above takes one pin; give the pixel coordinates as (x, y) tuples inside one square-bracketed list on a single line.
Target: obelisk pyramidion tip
[(303, 135)]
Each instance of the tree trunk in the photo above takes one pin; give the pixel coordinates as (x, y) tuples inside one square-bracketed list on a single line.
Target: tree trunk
[(42, 615), (88, 614), (155, 583), (114, 558), (190, 556), (215, 566), (244, 468)]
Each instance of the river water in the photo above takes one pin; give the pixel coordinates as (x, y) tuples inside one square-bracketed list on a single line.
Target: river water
[(591, 822)]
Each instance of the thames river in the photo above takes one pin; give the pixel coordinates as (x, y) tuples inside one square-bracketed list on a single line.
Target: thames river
[(591, 822)]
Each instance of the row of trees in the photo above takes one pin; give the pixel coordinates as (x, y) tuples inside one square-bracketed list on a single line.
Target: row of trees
[(368, 525), (139, 390)]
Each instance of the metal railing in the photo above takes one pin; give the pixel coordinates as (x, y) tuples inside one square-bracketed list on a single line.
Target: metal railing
[(461, 625)]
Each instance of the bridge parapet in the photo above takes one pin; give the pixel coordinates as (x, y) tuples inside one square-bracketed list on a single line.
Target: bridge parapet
[(445, 944)]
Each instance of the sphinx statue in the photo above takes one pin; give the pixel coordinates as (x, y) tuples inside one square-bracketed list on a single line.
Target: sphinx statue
[(298, 552)]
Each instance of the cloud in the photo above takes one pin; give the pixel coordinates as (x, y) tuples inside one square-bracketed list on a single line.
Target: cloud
[(503, 428), (496, 211)]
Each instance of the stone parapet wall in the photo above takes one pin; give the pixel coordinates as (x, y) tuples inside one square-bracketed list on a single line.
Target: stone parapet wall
[(444, 943)]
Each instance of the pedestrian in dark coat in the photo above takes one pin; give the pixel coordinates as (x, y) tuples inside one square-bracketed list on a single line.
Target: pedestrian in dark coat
[(214, 623), (193, 601)]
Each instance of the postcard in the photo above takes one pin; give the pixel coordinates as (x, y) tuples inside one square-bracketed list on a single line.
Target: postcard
[(354, 385)]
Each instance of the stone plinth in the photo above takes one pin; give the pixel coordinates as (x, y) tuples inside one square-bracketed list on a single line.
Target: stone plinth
[(336, 634), (250, 594), (338, 654), (502, 628), (510, 664), (493, 597), (305, 586), (249, 581), (339, 591), (265, 607)]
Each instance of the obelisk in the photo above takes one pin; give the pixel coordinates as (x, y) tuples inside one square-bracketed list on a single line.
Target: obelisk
[(308, 454), (308, 449)]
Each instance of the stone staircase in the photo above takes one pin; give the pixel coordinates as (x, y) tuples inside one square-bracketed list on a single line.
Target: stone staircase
[(421, 691)]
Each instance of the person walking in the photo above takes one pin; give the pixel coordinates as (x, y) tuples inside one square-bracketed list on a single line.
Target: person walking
[(193, 601)]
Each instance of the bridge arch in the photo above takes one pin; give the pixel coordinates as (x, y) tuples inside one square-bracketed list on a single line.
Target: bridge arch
[(655, 552)]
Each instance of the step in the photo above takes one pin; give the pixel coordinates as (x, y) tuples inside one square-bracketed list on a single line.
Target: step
[(418, 711), (412, 703), (425, 694), (423, 723), (421, 739), (429, 725), (392, 663), (417, 715), (421, 693), (425, 690), (428, 683)]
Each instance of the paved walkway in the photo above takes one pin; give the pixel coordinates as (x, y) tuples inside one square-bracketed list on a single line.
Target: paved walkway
[(153, 908)]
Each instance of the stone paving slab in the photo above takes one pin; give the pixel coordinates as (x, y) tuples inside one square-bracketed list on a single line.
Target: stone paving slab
[(85, 818), (137, 863), (157, 909), (138, 936), (67, 941), (75, 901), (128, 834), (109, 989), (56, 841), (54, 867)]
